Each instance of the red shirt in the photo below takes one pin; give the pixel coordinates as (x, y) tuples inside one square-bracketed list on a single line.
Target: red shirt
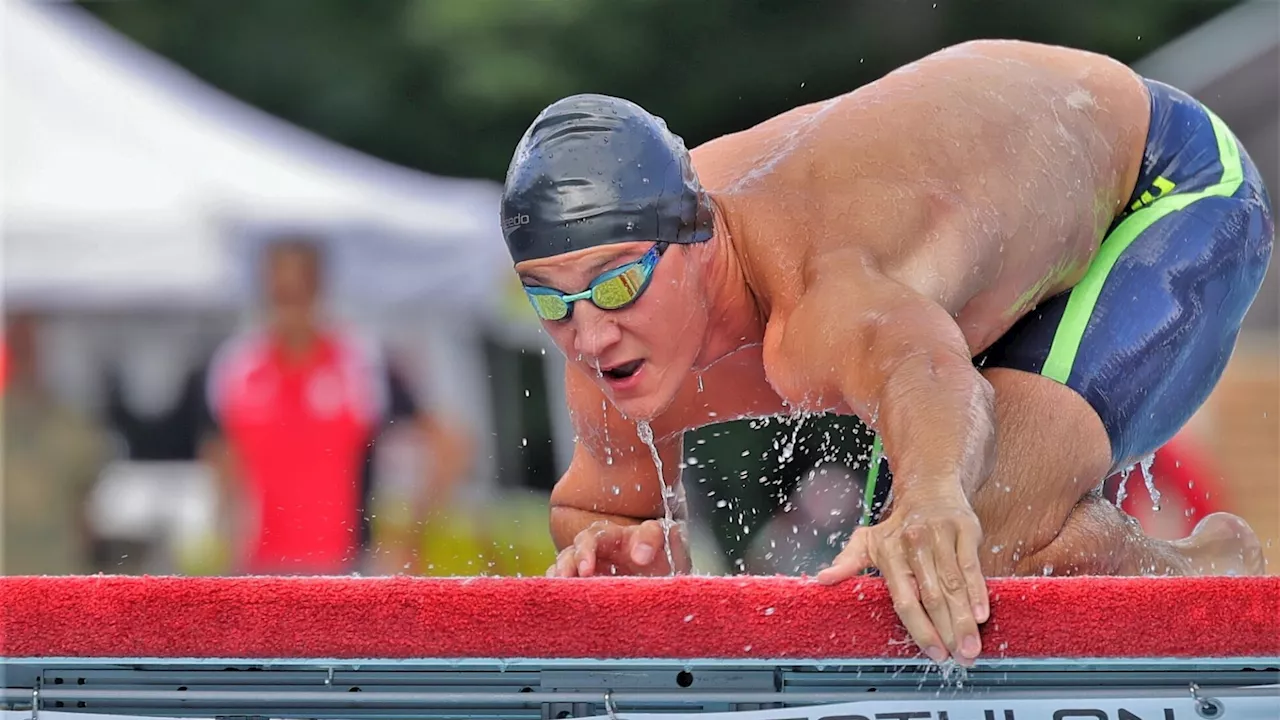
[(299, 430)]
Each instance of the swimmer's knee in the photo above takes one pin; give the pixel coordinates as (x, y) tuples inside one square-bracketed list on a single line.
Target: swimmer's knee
[(1082, 545)]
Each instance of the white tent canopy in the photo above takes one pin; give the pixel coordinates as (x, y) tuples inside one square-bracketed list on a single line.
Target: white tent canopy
[(128, 181)]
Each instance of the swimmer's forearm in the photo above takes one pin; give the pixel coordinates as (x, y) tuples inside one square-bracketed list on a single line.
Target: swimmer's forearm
[(937, 421), (567, 522)]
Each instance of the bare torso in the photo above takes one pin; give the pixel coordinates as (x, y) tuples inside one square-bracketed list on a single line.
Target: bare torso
[(983, 178), (981, 189)]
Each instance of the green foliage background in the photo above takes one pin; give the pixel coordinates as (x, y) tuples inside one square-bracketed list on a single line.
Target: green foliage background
[(448, 86)]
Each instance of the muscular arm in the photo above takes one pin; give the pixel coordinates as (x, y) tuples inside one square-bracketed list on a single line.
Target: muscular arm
[(612, 475), (901, 363)]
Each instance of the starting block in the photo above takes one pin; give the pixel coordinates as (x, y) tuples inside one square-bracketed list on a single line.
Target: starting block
[(731, 648)]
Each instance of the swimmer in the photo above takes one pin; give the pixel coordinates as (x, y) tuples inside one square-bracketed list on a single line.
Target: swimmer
[(1024, 267)]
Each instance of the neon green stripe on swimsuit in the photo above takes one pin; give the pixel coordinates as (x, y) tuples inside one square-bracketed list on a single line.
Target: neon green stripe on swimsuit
[(1084, 296)]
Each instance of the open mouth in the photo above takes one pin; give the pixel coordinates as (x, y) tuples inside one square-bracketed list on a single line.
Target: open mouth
[(623, 371)]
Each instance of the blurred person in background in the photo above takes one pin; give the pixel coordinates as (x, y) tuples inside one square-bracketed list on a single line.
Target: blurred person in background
[(52, 457), (293, 409)]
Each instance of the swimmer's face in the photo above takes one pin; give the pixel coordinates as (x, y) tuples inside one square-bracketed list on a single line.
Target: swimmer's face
[(639, 355)]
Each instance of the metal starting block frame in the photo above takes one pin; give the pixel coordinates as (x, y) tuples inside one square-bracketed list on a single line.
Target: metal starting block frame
[(1164, 689)]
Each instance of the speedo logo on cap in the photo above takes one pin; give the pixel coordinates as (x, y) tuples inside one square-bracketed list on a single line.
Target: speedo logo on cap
[(515, 221)]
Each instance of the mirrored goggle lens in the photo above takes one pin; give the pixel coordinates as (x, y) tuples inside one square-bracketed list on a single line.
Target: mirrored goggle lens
[(549, 307), (620, 289)]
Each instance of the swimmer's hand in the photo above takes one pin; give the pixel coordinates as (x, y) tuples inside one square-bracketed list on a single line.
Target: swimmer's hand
[(927, 551), (607, 548)]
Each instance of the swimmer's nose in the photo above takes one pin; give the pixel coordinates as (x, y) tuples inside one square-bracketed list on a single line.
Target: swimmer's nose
[(594, 331)]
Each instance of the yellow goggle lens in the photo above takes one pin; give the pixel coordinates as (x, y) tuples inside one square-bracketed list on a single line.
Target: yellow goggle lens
[(619, 290), (549, 307)]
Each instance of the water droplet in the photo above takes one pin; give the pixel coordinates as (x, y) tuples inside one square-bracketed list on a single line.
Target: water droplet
[(1150, 480)]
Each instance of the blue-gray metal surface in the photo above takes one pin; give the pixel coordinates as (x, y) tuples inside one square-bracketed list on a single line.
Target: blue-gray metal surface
[(576, 688)]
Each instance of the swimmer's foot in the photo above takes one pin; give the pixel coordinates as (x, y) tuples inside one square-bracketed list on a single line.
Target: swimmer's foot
[(1222, 544)]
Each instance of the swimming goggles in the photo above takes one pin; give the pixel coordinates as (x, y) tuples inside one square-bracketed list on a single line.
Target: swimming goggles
[(613, 290)]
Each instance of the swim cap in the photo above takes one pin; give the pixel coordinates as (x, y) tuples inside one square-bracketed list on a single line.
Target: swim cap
[(593, 170)]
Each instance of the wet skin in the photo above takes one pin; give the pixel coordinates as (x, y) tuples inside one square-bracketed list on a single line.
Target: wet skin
[(866, 249)]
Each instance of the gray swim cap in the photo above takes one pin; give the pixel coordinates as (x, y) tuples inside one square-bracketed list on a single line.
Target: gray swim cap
[(594, 170)]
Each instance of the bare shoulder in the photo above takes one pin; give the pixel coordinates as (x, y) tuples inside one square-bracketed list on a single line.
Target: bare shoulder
[(969, 159), (1100, 83), (1055, 58), (997, 84), (960, 78)]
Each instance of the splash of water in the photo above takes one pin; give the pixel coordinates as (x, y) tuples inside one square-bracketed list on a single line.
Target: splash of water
[(1150, 480), (668, 493), (608, 447), (789, 449), (1122, 490), (952, 674)]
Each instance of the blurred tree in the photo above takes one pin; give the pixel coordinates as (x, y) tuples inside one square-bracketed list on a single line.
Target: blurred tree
[(448, 86)]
